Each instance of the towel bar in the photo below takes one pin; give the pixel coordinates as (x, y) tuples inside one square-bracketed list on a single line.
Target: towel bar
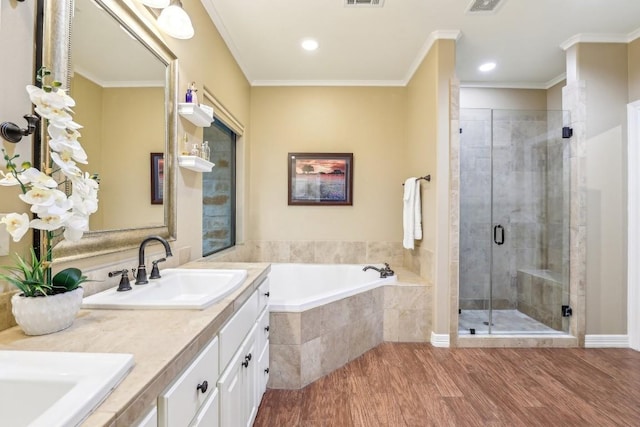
[(426, 178)]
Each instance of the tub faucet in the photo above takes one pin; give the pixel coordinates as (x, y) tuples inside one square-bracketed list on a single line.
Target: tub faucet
[(384, 272), (141, 273)]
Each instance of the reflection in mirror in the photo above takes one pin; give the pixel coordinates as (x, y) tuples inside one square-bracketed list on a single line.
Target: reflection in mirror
[(118, 85), (123, 78)]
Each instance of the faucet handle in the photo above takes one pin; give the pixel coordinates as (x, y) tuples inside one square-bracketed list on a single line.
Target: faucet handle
[(155, 271), (124, 284)]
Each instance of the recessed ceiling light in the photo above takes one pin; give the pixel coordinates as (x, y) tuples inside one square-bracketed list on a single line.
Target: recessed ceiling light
[(487, 66), (309, 44)]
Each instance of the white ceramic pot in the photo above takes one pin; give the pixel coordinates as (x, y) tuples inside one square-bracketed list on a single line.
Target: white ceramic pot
[(45, 315)]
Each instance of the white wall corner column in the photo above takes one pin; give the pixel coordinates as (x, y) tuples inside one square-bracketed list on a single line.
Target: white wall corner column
[(633, 232)]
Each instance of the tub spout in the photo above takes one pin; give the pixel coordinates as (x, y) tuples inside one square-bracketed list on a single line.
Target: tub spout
[(384, 272)]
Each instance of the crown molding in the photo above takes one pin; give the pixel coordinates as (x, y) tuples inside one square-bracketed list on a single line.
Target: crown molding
[(516, 85), (226, 36), (310, 83), (600, 38), (426, 47)]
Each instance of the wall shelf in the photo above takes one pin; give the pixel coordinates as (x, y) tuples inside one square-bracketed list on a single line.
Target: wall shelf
[(195, 163), (195, 114)]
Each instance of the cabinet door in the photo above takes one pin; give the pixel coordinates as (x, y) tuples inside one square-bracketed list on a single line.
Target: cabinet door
[(249, 378), (237, 386), (262, 374)]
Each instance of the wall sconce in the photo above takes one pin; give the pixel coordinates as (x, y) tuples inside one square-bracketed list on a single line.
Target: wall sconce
[(13, 133), (173, 19)]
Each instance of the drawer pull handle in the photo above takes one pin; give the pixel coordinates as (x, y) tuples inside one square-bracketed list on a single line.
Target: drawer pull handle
[(267, 328), (203, 387), (266, 294), (266, 371), (245, 363), (247, 357)]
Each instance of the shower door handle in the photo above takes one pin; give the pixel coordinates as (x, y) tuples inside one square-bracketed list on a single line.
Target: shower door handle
[(496, 229)]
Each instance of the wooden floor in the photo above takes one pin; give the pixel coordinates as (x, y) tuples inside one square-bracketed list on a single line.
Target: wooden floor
[(418, 385)]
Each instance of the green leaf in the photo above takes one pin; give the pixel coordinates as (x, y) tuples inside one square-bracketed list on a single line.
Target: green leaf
[(67, 280)]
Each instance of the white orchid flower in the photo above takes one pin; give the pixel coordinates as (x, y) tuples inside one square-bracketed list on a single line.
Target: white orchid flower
[(40, 196), (37, 178), (17, 225), (68, 134), (76, 153), (57, 98), (66, 164), (8, 180), (75, 226), (50, 222), (60, 205)]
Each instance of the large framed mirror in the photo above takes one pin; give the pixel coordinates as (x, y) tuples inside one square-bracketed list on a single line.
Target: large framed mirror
[(123, 78)]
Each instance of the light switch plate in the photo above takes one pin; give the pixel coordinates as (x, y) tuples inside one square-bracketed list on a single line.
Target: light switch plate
[(4, 239)]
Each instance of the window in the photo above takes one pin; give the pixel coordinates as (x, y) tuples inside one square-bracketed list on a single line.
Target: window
[(219, 191)]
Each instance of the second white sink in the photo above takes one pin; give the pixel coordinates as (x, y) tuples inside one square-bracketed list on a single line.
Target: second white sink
[(51, 389), (179, 288)]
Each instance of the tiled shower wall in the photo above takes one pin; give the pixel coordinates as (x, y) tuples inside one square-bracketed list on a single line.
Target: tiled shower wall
[(528, 200)]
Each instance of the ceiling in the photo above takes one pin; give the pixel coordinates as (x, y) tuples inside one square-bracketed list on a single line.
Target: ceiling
[(384, 45)]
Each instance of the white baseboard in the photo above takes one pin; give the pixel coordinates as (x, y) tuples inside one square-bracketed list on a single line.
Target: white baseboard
[(606, 341), (439, 340)]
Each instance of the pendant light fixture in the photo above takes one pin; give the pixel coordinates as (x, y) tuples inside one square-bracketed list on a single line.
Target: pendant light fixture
[(174, 21)]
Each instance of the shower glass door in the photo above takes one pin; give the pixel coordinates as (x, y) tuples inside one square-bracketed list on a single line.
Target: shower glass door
[(514, 231)]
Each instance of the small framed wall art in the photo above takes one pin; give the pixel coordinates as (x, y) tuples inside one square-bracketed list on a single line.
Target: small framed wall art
[(320, 179)]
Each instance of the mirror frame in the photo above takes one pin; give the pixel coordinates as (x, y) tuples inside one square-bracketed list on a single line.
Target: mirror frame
[(53, 49)]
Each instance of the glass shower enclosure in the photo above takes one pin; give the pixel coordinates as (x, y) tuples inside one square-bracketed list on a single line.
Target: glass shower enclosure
[(514, 222)]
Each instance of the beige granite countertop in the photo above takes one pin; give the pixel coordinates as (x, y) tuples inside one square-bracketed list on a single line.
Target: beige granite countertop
[(163, 343)]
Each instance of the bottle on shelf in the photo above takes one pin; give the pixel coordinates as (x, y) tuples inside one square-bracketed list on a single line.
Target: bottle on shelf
[(206, 151)]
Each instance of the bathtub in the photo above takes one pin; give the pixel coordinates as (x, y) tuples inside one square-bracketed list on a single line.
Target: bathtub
[(299, 287), (321, 317)]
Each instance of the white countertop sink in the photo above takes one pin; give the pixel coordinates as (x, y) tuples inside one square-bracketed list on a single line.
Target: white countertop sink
[(178, 288), (49, 389)]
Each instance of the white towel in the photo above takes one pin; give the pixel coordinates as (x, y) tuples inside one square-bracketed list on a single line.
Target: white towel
[(411, 213)]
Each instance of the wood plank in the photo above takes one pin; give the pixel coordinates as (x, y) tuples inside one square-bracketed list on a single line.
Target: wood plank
[(398, 385)]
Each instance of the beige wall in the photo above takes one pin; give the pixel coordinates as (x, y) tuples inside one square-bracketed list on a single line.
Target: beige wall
[(554, 96), (366, 121), (428, 153), (634, 70), (89, 95), (17, 71), (503, 99), (604, 69)]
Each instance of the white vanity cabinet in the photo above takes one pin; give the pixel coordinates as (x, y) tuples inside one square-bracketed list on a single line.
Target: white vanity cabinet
[(242, 382), (235, 366)]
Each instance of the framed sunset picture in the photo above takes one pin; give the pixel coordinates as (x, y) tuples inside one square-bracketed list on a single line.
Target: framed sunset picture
[(320, 179)]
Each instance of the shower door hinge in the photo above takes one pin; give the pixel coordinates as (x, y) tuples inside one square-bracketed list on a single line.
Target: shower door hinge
[(567, 132), (566, 311)]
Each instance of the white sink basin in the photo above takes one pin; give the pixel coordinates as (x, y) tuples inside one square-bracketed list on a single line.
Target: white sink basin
[(179, 288), (39, 388)]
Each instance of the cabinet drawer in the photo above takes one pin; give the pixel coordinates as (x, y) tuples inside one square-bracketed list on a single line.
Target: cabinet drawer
[(236, 329), (209, 415), (181, 401), (263, 294)]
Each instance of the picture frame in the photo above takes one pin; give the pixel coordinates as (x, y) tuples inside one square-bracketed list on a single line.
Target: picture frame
[(157, 178), (320, 179)]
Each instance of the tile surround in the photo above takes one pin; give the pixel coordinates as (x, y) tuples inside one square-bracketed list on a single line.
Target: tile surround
[(327, 337)]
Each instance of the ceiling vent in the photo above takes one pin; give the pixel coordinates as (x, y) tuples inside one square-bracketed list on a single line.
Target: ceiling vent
[(484, 6), (363, 3)]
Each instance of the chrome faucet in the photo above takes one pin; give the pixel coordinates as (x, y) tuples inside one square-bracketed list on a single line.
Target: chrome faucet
[(141, 273), (384, 272)]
